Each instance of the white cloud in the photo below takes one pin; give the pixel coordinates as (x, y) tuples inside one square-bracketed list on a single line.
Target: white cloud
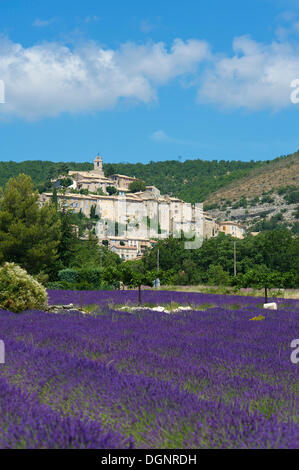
[(42, 23), (256, 77), (49, 79), (160, 136)]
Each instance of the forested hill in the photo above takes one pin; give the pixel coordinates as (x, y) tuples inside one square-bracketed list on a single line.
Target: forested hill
[(41, 172), (191, 180)]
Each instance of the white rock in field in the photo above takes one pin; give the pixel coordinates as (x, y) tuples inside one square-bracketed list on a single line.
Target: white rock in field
[(158, 309), (271, 306), (183, 308)]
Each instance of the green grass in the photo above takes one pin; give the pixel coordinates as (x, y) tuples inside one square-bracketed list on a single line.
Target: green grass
[(91, 309)]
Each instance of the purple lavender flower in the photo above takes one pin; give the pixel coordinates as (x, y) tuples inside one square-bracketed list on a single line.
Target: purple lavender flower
[(194, 379)]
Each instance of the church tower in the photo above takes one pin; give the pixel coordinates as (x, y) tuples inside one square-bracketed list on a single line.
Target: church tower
[(98, 165)]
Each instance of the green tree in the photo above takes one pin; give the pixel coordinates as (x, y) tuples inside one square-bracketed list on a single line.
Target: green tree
[(137, 186), (262, 278), (29, 234), (66, 182), (93, 214), (134, 274), (217, 276), (111, 190), (171, 254), (68, 240), (55, 198), (111, 275)]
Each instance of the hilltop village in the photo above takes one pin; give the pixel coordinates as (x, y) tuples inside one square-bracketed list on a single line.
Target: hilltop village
[(129, 221)]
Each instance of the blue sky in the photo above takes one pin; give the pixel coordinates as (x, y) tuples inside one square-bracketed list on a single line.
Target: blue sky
[(150, 80)]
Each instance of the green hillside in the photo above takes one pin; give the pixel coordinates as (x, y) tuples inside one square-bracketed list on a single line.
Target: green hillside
[(191, 180), (40, 171)]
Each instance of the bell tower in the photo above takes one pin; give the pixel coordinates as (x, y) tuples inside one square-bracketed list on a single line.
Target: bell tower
[(98, 165)]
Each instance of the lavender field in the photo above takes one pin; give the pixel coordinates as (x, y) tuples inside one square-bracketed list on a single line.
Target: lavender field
[(203, 378)]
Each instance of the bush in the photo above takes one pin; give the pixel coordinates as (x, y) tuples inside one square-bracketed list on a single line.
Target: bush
[(137, 186), (292, 197), (19, 291), (217, 276), (267, 200), (68, 275), (55, 285), (62, 285), (81, 279), (90, 276), (209, 207), (42, 278)]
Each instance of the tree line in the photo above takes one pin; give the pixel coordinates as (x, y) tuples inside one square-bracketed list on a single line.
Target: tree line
[(48, 242)]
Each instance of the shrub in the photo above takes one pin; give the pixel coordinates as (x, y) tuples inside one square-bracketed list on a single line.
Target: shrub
[(292, 197), (91, 276), (42, 278), (68, 275), (63, 285), (81, 279), (136, 186), (55, 285), (111, 190), (209, 207), (217, 276), (267, 199), (19, 291)]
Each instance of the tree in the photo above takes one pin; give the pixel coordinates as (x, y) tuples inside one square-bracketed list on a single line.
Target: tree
[(137, 186), (110, 169), (217, 276), (84, 191), (66, 182), (55, 198), (171, 255), (29, 234), (111, 275), (261, 277), (111, 190), (134, 274), (93, 214), (68, 239)]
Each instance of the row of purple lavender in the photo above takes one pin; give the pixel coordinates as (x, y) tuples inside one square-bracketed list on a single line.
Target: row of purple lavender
[(195, 379)]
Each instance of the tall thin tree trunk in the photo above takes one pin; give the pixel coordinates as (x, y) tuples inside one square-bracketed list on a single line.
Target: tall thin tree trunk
[(266, 294)]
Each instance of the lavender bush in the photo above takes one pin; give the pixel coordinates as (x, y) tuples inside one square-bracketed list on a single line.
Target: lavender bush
[(195, 379)]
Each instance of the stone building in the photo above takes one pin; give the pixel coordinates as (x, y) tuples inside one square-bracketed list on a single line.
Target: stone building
[(234, 229)]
